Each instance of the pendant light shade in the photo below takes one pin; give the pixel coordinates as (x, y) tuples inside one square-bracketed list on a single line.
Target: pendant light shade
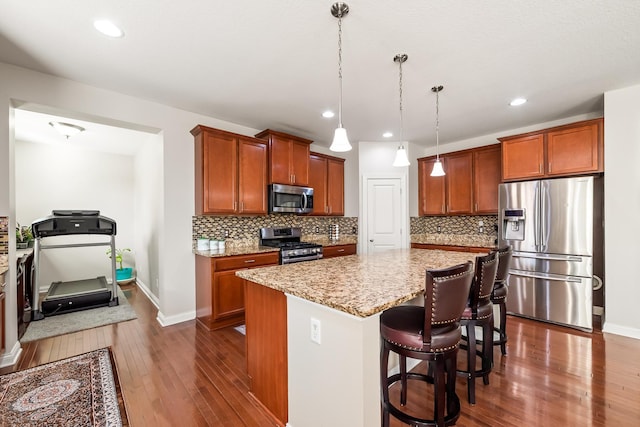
[(401, 159), (340, 140), (437, 166), (437, 169)]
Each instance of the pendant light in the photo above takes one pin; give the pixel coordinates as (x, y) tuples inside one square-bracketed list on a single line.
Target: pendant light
[(340, 140), (401, 159), (437, 166)]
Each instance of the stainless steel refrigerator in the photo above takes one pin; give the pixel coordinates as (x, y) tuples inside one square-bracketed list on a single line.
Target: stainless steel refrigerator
[(556, 231)]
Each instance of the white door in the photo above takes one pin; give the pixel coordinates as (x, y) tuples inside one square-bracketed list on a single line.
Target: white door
[(384, 214)]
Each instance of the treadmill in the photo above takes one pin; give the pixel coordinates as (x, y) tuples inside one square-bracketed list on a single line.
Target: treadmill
[(65, 297)]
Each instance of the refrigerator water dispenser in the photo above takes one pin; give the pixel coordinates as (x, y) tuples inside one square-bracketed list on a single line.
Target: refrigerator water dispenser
[(513, 226)]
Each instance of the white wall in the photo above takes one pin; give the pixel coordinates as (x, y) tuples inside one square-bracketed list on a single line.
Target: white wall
[(57, 176), (148, 214), (622, 204)]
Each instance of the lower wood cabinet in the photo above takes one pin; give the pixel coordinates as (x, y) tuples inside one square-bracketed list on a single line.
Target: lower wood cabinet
[(219, 293), (2, 312), (339, 250), (474, 249)]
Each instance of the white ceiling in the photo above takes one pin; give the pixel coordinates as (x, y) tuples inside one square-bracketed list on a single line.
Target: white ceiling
[(273, 64)]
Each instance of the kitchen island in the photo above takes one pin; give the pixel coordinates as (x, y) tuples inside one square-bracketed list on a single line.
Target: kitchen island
[(313, 332)]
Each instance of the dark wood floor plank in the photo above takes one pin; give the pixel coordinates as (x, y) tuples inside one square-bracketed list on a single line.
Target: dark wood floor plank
[(185, 375)]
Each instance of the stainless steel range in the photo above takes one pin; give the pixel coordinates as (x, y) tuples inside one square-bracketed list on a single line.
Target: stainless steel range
[(291, 248)]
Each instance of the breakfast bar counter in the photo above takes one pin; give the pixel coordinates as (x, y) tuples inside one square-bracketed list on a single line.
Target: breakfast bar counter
[(313, 332)]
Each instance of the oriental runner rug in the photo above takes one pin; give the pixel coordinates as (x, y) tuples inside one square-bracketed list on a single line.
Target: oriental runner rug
[(79, 391)]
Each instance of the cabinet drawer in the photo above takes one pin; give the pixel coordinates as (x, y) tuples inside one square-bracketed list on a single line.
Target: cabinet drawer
[(338, 250), (246, 261)]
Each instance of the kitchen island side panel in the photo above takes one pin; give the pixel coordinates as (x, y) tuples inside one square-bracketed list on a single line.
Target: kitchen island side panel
[(334, 382), (266, 348)]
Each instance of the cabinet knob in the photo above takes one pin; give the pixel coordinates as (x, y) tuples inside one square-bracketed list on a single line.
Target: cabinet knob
[(371, 240)]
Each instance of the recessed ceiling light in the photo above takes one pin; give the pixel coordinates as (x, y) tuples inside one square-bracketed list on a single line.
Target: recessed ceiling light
[(517, 101), (387, 134), (328, 114), (108, 28)]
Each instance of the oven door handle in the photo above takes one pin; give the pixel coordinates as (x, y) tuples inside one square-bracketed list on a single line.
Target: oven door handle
[(301, 258)]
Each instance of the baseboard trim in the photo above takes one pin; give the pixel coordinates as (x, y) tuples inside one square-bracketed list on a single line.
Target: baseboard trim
[(145, 289), (176, 318), (625, 331), (10, 358)]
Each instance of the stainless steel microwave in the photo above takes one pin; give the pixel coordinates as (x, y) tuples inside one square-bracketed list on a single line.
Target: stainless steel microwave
[(290, 199)]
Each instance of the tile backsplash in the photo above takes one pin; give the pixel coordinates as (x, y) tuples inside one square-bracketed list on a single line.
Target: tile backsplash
[(458, 225), (4, 235), (246, 228)]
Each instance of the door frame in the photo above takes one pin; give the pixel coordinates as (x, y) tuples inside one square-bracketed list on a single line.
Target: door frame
[(404, 208)]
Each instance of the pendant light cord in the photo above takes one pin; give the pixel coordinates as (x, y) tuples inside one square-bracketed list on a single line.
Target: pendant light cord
[(437, 124), (401, 119), (340, 69)]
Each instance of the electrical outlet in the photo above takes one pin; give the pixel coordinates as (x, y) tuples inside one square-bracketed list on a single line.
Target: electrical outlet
[(438, 229), (481, 229), (317, 229), (315, 330), (354, 230), (226, 234)]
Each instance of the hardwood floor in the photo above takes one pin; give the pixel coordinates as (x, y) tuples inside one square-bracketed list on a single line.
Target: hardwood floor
[(184, 375)]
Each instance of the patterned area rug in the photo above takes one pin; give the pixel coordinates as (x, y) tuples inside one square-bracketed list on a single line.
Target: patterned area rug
[(79, 391)]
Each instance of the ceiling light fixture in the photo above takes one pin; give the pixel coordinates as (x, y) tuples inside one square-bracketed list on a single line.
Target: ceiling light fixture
[(387, 135), (67, 129), (108, 28), (340, 140), (518, 101), (401, 159), (328, 114), (437, 166)]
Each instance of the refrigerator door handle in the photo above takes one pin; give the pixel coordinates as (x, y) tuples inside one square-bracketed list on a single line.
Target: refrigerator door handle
[(546, 277), (548, 256), (536, 217), (543, 216)]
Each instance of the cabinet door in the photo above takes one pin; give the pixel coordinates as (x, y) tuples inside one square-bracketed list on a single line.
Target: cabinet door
[(252, 180), (431, 195), (523, 157), (459, 174), (335, 187), (219, 171), (300, 163), (280, 158), (486, 178), (228, 295), (318, 181), (574, 150)]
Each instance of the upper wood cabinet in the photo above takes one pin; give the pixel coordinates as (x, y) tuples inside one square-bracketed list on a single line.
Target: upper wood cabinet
[(486, 178), (230, 173), (470, 185), (326, 177), (573, 149), (431, 194), (288, 158), (458, 183)]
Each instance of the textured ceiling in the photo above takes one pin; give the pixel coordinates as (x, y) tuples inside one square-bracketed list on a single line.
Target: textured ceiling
[(273, 64)]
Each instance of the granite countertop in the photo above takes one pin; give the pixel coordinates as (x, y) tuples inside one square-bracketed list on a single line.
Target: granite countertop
[(4, 263), (361, 285), (481, 241), (246, 247)]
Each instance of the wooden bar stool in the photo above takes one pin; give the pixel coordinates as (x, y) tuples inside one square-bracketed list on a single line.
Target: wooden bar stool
[(430, 333), (499, 295), (479, 312)]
